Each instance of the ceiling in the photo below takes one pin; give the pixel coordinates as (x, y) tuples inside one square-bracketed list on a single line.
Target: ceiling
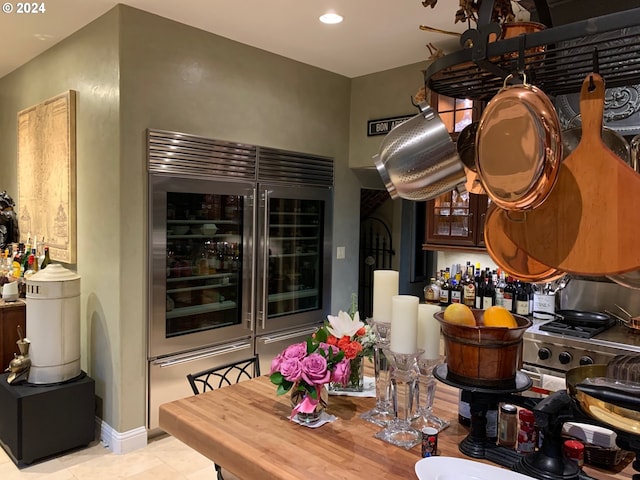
[(375, 35)]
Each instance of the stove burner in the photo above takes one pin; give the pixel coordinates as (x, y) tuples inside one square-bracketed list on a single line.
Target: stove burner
[(580, 331)]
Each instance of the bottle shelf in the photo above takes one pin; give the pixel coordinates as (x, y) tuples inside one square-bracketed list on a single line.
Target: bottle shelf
[(294, 294), (193, 278), (200, 287), (198, 309)]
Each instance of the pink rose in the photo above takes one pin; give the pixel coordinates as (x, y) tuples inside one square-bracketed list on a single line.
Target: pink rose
[(275, 364), (341, 372), (291, 369), (314, 369), (297, 350)]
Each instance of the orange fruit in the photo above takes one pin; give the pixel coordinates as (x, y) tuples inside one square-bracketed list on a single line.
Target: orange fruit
[(497, 316), (459, 313)]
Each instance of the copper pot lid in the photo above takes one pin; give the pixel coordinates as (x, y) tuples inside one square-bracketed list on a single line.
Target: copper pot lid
[(518, 147), (509, 256)]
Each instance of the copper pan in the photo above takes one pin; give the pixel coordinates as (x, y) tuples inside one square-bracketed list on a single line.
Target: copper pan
[(518, 147), (509, 256), (599, 398), (466, 146)]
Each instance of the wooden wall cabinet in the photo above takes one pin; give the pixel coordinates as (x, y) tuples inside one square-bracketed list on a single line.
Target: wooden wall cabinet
[(11, 315), (456, 221)]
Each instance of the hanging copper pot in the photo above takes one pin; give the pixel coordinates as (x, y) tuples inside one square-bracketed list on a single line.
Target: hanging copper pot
[(518, 147)]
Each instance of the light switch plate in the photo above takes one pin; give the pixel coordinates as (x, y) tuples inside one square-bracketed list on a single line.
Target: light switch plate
[(340, 253)]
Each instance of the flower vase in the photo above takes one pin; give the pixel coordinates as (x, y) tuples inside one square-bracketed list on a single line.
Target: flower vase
[(356, 377), (298, 396)]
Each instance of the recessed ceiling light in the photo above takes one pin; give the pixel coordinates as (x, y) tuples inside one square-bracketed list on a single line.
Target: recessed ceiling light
[(331, 18), (43, 36)]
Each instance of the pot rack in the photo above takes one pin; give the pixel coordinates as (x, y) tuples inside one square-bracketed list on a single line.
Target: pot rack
[(555, 59)]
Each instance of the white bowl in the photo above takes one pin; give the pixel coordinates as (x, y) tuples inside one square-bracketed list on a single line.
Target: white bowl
[(180, 229), (209, 229)]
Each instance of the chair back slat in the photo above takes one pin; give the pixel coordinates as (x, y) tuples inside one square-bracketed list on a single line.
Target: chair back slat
[(224, 375)]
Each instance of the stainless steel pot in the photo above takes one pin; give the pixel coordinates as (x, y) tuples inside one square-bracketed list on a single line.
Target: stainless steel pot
[(418, 160), (613, 140)]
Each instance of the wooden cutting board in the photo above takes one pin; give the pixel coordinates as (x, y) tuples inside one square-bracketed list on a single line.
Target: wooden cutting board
[(590, 222)]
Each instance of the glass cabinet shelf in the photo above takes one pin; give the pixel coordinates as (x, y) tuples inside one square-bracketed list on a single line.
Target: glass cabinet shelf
[(198, 309), (279, 297)]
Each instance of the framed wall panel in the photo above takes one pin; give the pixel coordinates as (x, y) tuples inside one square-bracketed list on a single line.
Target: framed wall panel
[(47, 175)]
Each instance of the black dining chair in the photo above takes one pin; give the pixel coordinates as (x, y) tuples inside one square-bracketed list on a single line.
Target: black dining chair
[(221, 376)]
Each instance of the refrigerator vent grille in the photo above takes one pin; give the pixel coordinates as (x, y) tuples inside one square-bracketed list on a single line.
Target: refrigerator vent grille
[(184, 154), (294, 168)]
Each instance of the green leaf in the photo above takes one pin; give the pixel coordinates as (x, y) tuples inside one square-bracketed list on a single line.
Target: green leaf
[(322, 334), (282, 389), (276, 378)]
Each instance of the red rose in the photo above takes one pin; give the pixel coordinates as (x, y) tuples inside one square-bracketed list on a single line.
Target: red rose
[(332, 340), (361, 332)]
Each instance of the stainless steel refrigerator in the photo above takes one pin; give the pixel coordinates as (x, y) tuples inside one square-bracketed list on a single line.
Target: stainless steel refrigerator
[(239, 255)]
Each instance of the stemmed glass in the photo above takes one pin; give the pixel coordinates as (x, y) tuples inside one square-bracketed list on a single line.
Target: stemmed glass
[(424, 416), (382, 413), (404, 380)]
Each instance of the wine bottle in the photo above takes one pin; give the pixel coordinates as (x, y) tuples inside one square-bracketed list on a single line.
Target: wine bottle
[(480, 284), (445, 292), (489, 297), (522, 299), (507, 295), (47, 259)]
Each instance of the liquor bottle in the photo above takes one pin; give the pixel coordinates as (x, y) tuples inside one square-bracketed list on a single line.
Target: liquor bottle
[(489, 297), (500, 289), (480, 284), (47, 259), (16, 263), (30, 266), (35, 260), (469, 288), (445, 290), (522, 299), (432, 292), (456, 290), (508, 294)]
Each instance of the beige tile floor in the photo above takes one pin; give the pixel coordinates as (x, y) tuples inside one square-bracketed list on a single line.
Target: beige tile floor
[(164, 458)]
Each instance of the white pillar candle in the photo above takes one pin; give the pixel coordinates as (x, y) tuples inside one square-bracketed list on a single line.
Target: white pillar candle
[(385, 286), (428, 331), (404, 323)]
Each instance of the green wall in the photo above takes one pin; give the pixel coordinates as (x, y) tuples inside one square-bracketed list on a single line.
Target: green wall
[(88, 63), (134, 71)]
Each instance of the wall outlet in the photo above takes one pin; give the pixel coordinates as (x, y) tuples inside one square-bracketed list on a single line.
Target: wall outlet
[(340, 253)]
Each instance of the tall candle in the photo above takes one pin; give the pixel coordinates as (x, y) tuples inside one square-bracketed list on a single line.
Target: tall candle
[(404, 323), (428, 331), (385, 286)]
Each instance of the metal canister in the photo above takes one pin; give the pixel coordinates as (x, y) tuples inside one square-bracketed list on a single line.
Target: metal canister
[(429, 442)]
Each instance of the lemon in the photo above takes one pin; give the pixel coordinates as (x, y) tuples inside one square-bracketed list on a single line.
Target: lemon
[(497, 316), (459, 313)]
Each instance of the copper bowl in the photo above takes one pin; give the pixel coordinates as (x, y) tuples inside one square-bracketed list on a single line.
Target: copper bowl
[(483, 356)]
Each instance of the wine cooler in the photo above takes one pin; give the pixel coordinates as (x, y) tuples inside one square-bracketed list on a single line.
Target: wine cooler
[(239, 255)]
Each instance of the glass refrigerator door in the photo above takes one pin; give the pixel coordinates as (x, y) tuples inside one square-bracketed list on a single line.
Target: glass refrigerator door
[(296, 265), (202, 262)]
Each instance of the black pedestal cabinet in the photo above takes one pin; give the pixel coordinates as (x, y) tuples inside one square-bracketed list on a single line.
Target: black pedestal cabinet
[(38, 421)]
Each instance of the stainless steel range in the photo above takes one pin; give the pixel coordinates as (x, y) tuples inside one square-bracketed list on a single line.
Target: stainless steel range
[(559, 352), (552, 349)]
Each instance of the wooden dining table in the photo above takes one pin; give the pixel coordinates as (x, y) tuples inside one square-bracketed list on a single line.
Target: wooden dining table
[(245, 429)]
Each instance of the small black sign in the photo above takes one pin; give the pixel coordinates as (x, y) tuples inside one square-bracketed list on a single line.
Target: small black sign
[(383, 126)]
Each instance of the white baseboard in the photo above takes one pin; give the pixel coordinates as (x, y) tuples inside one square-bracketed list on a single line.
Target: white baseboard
[(121, 442)]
